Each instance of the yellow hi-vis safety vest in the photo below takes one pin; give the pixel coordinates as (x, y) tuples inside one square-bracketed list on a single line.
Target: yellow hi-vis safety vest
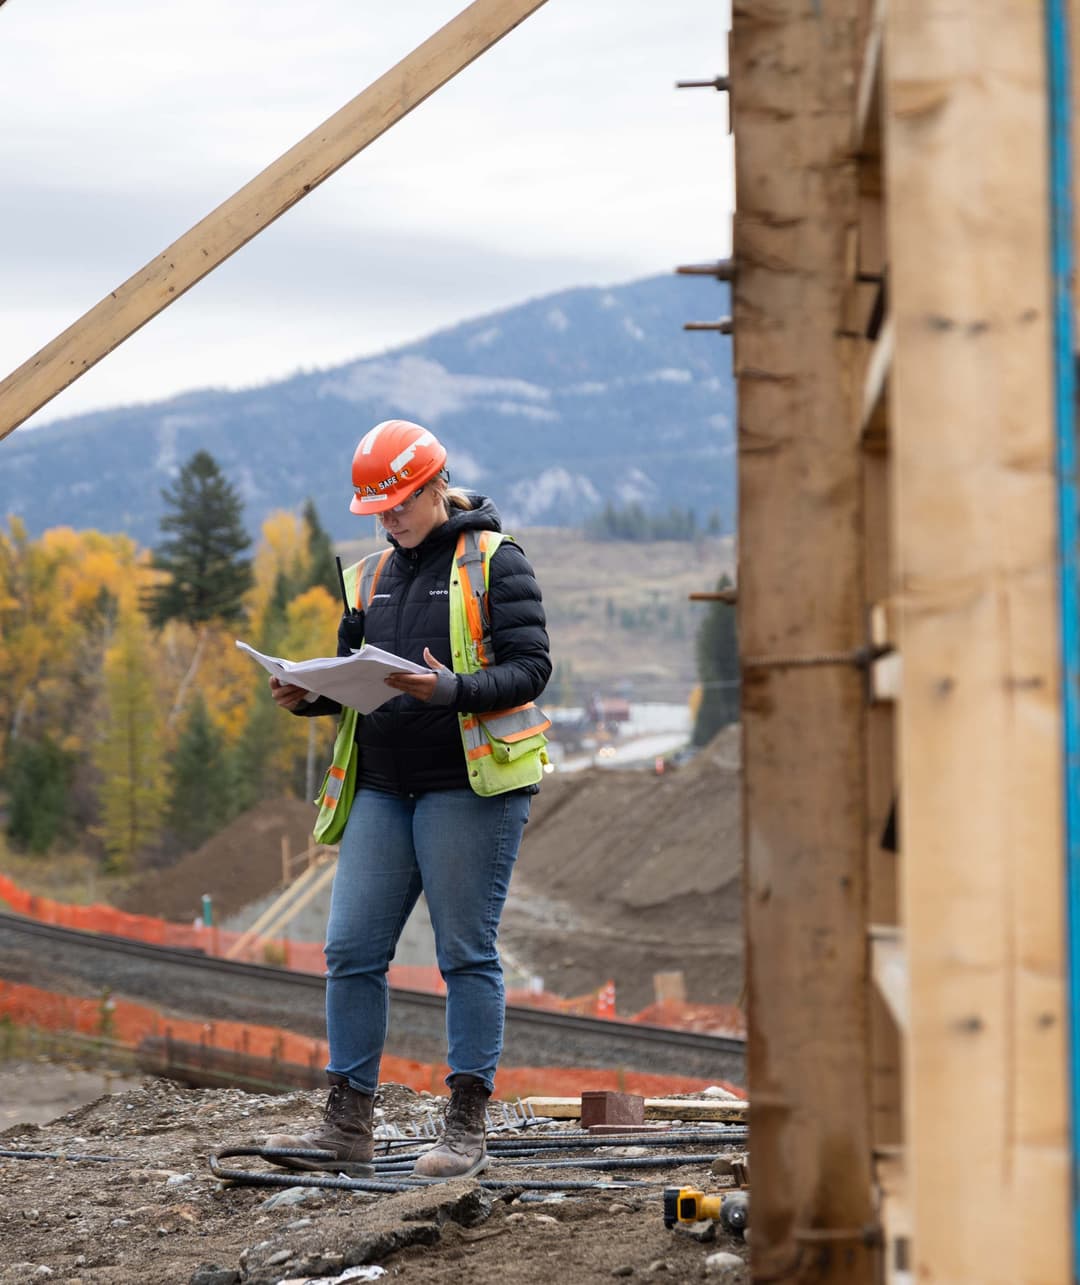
[(504, 749), (335, 798)]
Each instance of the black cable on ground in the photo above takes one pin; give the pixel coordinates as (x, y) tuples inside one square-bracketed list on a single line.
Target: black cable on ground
[(601, 1162), (248, 1178)]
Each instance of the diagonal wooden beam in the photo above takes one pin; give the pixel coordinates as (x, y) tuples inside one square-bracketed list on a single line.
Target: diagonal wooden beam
[(256, 205)]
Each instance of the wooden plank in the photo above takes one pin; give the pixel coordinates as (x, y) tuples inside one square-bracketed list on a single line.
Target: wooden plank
[(728, 1110), (256, 205), (801, 592), (889, 964), (971, 429)]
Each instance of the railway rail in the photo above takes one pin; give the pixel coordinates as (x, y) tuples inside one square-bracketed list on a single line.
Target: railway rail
[(192, 984)]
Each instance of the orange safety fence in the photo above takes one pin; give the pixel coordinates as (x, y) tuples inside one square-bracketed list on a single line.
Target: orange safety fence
[(129, 1024), (307, 957), (300, 956)]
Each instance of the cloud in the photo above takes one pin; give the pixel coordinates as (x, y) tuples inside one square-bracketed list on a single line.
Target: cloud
[(562, 157)]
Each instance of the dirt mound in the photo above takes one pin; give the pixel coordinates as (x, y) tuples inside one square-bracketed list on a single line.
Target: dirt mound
[(236, 867), (624, 874)]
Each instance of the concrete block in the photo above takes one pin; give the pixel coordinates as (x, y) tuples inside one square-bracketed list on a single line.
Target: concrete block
[(605, 1107)]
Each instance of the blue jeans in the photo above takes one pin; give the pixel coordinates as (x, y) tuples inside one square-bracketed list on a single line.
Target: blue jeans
[(459, 849)]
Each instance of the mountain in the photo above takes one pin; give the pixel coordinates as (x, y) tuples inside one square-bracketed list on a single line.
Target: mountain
[(554, 407)]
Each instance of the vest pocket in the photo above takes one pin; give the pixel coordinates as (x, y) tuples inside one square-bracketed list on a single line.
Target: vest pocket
[(512, 750)]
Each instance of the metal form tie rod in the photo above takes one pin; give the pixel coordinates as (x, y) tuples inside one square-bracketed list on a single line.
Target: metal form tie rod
[(720, 83)]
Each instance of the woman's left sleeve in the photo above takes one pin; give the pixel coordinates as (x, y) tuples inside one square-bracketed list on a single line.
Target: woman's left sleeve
[(519, 639)]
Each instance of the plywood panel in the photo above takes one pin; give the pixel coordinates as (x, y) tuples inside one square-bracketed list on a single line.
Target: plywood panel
[(979, 722)]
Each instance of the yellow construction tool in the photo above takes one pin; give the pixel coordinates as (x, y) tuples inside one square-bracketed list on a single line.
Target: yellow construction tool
[(688, 1205)]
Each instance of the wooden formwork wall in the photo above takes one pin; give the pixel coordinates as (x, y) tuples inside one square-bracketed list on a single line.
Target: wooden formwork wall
[(900, 626)]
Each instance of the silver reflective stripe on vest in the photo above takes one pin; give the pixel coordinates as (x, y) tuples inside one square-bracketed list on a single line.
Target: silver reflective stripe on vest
[(369, 573), (515, 724), (335, 779)]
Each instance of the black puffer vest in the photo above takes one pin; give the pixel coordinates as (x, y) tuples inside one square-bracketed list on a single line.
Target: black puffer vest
[(409, 746)]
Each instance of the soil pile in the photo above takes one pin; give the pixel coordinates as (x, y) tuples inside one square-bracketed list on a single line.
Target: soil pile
[(622, 874), (235, 867), (146, 1210)]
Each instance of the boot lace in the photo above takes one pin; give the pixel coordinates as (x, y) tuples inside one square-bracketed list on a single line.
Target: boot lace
[(336, 1102), (466, 1113)]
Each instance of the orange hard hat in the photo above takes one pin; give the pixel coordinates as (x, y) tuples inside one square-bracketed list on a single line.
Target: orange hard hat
[(393, 461)]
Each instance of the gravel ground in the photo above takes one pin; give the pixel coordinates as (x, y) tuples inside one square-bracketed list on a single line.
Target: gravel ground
[(154, 1213)]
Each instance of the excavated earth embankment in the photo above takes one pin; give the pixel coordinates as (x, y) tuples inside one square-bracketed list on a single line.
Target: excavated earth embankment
[(622, 874)]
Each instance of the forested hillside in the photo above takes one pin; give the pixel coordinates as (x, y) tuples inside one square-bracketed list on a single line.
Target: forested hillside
[(132, 728), (556, 408)]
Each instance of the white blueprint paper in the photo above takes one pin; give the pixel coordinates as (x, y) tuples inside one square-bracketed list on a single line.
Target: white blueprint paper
[(356, 680)]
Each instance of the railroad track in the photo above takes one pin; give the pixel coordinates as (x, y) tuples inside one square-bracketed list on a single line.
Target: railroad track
[(190, 984)]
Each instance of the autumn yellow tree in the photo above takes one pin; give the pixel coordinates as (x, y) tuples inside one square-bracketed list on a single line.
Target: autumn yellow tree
[(130, 754), (279, 563), (58, 601), (59, 598)]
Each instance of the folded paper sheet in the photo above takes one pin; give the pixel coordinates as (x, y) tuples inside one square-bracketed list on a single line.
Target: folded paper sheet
[(356, 680)]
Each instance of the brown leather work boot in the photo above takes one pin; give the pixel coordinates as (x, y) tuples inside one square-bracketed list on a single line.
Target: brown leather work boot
[(460, 1152), (346, 1131)]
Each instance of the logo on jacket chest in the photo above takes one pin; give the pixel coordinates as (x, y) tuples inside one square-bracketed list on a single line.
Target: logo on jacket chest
[(438, 593)]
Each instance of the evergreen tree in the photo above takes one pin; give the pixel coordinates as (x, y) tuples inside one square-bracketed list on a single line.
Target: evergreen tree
[(130, 755), (201, 553), (275, 620), (634, 523), (198, 803), (249, 772), (38, 778), (718, 670), (321, 567)]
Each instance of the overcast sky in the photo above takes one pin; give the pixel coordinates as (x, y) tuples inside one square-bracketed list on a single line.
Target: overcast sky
[(564, 156)]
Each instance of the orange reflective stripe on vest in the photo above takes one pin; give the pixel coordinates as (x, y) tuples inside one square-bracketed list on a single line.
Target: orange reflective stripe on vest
[(474, 552)]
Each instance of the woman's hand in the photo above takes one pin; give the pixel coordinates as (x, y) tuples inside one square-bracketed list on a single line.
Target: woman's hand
[(287, 695), (420, 686)]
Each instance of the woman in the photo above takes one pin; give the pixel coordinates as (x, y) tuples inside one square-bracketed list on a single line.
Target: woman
[(417, 823)]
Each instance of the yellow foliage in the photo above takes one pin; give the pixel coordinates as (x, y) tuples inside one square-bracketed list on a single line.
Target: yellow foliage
[(282, 551), (59, 597), (229, 681), (311, 622), (77, 657), (129, 754)]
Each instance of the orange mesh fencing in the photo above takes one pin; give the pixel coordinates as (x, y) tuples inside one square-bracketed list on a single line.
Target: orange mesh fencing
[(307, 957), (301, 956), (127, 1023)]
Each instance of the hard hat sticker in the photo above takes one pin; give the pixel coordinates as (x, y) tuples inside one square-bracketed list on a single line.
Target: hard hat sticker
[(399, 462)]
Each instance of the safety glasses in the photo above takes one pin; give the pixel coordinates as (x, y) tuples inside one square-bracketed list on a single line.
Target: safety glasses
[(405, 504)]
